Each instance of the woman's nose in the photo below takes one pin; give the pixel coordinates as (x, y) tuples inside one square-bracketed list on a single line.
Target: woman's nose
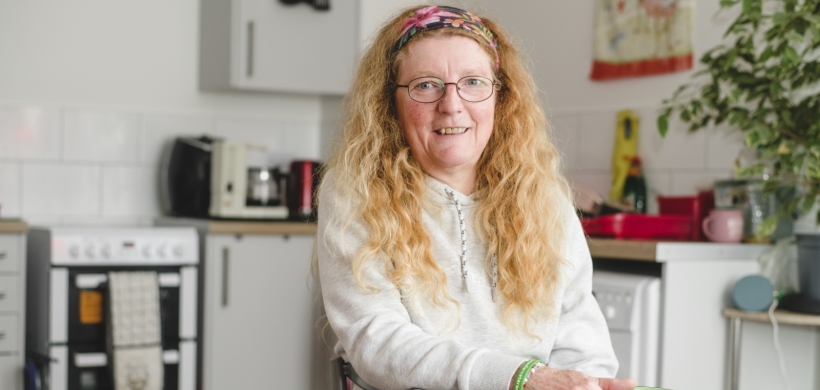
[(451, 101)]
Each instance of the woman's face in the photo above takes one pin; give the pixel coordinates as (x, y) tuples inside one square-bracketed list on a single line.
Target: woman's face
[(448, 136)]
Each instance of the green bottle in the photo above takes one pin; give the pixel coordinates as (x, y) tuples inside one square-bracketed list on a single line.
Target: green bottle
[(635, 187)]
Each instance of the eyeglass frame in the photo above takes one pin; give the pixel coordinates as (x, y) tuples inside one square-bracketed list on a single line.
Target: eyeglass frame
[(495, 86)]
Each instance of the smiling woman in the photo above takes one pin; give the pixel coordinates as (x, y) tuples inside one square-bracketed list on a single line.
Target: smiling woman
[(449, 254)]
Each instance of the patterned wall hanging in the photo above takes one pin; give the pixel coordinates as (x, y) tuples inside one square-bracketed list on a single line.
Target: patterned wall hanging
[(642, 37)]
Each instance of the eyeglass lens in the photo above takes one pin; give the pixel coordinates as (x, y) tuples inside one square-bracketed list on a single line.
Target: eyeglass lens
[(470, 88)]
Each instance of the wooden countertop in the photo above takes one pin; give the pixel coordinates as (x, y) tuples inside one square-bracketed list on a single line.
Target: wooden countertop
[(215, 226), (13, 226), (622, 249), (665, 251)]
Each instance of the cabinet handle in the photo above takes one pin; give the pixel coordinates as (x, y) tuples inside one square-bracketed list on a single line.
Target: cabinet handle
[(2, 334), (249, 69), (3, 255), (2, 295), (225, 268)]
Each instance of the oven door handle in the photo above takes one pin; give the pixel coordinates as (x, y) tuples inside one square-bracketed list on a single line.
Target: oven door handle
[(90, 281)]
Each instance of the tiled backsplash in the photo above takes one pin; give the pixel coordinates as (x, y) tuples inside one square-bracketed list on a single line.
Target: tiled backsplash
[(68, 166), (679, 164), (62, 166)]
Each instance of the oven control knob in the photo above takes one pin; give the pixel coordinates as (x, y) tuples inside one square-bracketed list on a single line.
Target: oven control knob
[(90, 251), (162, 250), (146, 251), (105, 251), (74, 251), (178, 250), (610, 312)]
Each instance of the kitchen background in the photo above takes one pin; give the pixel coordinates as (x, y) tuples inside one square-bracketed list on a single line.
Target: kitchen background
[(90, 91)]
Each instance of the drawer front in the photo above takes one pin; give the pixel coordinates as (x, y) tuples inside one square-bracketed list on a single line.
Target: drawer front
[(9, 252), (9, 334), (9, 293)]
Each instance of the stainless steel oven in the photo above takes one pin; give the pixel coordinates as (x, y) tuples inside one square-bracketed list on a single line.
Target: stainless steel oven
[(67, 294)]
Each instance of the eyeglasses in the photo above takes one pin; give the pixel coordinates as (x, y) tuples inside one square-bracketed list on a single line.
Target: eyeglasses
[(430, 89)]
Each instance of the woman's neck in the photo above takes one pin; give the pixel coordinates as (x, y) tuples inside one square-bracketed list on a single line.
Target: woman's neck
[(463, 182)]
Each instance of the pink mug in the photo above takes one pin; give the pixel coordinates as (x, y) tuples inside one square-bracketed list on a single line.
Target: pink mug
[(724, 225)]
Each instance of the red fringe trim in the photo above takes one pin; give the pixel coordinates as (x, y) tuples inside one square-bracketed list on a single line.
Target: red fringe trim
[(607, 70)]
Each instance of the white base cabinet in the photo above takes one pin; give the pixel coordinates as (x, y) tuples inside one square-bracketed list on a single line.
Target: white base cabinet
[(260, 314)]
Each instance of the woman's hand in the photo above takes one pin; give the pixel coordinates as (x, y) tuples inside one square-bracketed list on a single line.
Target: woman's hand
[(546, 378)]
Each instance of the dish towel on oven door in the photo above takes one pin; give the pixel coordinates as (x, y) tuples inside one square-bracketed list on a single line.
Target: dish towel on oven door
[(134, 339)]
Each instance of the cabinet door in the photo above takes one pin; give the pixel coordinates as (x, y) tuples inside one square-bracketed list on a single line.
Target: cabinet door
[(294, 48), (260, 315)]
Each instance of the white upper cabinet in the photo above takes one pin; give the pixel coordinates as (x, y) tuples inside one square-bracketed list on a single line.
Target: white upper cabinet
[(265, 45)]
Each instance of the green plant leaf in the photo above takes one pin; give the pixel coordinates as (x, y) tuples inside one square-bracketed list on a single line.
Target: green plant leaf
[(794, 37), (663, 124), (778, 17), (727, 3), (791, 54), (767, 227), (808, 202)]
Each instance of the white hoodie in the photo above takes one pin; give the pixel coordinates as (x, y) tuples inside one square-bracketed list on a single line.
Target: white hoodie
[(397, 344)]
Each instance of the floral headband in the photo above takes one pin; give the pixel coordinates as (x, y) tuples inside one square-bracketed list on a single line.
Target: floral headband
[(435, 17)]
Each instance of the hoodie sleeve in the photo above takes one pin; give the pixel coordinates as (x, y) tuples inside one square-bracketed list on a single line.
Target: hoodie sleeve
[(375, 330), (582, 342)]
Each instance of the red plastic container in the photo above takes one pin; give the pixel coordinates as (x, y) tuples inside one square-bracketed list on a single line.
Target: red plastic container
[(639, 226), (695, 207)]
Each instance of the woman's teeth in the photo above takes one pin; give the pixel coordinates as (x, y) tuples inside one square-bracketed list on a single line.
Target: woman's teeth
[(452, 130)]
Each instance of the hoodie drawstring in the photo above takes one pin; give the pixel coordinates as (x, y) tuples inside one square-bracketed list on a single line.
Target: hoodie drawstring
[(463, 255)]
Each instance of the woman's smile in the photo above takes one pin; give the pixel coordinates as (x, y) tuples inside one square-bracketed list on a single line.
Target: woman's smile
[(451, 130)]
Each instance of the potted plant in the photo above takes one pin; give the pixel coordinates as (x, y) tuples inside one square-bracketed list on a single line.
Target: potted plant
[(764, 80)]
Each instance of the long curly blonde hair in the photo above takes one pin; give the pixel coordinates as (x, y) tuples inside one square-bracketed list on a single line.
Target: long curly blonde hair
[(524, 197)]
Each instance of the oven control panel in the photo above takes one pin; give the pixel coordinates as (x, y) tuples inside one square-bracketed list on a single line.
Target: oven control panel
[(124, 246)]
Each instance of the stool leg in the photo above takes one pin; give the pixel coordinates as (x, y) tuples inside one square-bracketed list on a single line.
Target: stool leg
[(733, 363)]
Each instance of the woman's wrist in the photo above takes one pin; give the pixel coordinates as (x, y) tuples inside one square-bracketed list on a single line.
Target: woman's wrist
[(523, 374)]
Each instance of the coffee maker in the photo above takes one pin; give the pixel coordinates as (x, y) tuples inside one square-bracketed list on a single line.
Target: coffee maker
[(246, 182)]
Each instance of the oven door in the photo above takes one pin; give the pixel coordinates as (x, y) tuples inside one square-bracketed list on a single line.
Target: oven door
[(87, 297), (89, 369)]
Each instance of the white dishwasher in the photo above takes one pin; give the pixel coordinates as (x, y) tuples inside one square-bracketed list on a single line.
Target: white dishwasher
[(631, 305)]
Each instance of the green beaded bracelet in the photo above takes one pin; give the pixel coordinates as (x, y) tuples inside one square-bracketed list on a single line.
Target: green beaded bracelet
[(525, 371)]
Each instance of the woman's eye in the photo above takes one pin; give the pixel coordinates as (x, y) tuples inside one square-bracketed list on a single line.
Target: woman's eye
[(474, 82), (425, 85)]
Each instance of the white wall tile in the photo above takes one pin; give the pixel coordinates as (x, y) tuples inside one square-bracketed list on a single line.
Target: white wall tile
[(302, 140), (30, 133), (107, 221), (596, 137), (565, 136), (599, 182), (723, 145), (678, 150), (267, 133), (35, 220), (658, 184), (102, 136), (10, 191), (689, 183), (130, 190), (52, 189), (160, 130)]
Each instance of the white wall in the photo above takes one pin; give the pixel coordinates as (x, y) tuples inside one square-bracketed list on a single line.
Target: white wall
[(89, 92), (558, 36)]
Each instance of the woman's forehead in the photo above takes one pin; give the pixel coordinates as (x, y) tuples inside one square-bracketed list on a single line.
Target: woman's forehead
[(445, 56)]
